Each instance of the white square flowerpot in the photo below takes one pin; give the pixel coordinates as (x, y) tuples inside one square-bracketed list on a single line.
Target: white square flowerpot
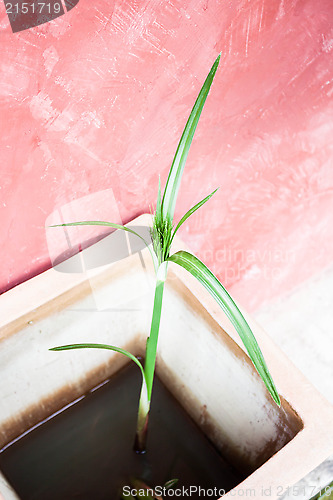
[(199, 360)]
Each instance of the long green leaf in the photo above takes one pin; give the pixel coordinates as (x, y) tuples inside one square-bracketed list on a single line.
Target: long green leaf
[(190, 212), (114, 226), (177, 167), (200, 271), (150, 360), (170, 484), (151, 346), (102, 346)]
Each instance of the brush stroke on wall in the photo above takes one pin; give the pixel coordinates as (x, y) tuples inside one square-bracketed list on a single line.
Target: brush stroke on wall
[(97, 99)]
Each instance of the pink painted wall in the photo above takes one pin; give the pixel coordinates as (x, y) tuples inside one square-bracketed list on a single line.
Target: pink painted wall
[(98, 98)]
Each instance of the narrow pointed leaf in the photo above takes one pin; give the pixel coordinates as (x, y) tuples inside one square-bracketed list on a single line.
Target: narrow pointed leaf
[(170, 483), (191, 211), (151, 345), (177, 167), (200, 271), (102, 346), (114, 226)]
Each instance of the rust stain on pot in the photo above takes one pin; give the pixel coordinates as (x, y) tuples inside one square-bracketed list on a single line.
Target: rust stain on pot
[(288, 425), (203, 416), (47, 406), (286, 421)]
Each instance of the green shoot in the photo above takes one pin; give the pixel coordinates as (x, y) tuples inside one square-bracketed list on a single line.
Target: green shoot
[(150, 360), (191, 211), (162, 234)]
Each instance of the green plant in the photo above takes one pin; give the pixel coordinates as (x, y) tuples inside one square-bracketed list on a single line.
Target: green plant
[(162, 235)]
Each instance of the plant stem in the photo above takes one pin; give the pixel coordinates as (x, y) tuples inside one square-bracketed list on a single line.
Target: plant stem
[(151, 346), (149, 369)]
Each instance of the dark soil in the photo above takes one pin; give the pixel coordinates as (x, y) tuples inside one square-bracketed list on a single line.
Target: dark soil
[(86, 451)]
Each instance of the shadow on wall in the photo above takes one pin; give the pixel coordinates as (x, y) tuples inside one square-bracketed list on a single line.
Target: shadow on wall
[(84, 248), (98, 97)]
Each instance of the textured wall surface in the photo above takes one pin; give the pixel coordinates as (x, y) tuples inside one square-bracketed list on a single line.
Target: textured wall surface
[(97, 99)]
